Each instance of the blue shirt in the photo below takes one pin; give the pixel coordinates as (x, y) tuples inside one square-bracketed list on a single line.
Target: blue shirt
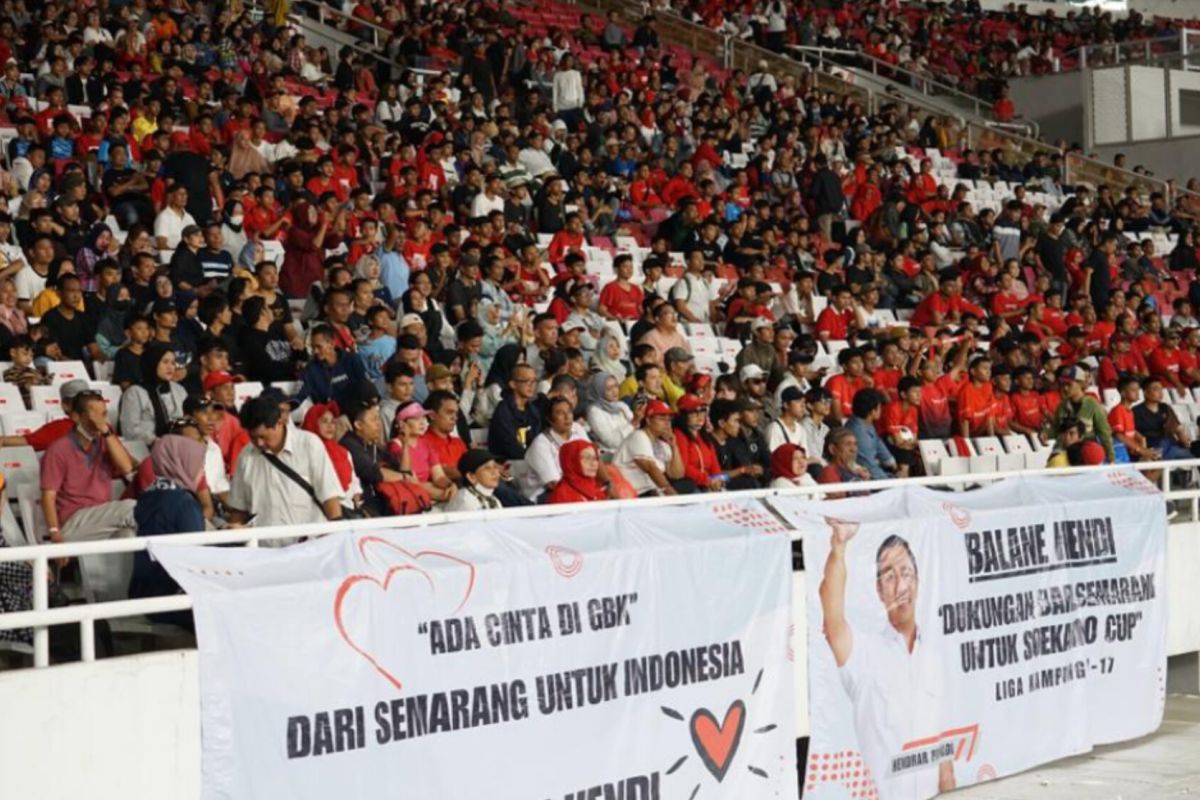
[(872, 452), (375, 353), (393, 271)]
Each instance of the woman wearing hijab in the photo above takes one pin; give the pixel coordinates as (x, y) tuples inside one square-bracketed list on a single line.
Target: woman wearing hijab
[(321, 419), (304, 250), (96, 248), (610, 357), (233, 234), (495, 384), (110, 328), (367, 267), (169, 505), (609, 419), (580, 460), (789, 466), (147, 408)]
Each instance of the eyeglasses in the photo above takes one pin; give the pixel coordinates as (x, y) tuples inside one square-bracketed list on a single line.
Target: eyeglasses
[(892, 576)]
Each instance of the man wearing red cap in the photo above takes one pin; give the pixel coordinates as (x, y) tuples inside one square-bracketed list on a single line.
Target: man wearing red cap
[(648, 457)]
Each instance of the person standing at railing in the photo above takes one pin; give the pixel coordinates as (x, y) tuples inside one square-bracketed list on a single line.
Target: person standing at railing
[(77, 474)]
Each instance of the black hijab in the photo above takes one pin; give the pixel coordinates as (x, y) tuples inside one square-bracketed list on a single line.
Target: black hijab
[(151, 358)]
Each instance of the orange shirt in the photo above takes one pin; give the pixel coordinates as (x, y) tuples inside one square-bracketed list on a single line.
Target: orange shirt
[(975, 406)]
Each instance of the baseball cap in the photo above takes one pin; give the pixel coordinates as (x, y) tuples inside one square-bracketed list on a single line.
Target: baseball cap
[(800, 357), (657, 408), (412, 411), (1071, 374), (573, 323), (438, 372), (690, 402), (72, 389), (759, 323), (791, 394), (163, 307), (676, 355), (752, 372), (214, 379), (411, 319), (472, 460)]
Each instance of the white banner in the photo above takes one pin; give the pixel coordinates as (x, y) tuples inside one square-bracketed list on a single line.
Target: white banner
[(953, 639), (634, 653)]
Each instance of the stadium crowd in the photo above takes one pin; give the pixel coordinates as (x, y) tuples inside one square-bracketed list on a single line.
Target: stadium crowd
[(511, 264), (957, 43)]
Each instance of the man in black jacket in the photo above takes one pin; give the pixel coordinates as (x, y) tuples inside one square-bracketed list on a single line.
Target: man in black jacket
[(1100, 285), (827, 196), (187, 271), (516, 421)]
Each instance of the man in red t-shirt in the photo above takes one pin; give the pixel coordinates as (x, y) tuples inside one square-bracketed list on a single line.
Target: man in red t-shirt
[(442, 436), (1124, 360), (946, 304), (1120, 419), (900, 423), (846, 384), (976, 400), (1028, 406), (836, 321), (622, 299), (1166, 362)]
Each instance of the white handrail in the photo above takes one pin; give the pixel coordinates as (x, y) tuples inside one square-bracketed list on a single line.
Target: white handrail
[(41, 617)]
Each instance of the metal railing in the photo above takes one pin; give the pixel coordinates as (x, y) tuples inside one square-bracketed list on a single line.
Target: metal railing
[(346, 23), (1138, 51), (41, 617), (922, 83)]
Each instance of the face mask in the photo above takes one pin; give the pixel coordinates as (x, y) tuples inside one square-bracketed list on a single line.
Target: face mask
[(486, 491), (236, 219)]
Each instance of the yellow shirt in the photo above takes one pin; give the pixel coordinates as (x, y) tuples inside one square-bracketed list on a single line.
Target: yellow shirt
[(672, 391), (143, 127)]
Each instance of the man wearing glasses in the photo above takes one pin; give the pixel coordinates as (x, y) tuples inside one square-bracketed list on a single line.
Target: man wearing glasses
[(890, 677), (78, 471)]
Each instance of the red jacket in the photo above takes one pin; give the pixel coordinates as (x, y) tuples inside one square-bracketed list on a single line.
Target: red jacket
[(699, 459)]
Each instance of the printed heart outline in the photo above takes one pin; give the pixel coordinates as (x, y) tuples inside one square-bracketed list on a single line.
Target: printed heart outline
[(718, 736), (566, 562), (352, 580)]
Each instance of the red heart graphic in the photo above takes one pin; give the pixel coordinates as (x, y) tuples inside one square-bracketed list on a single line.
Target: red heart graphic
[(452, 594), (718, 744)]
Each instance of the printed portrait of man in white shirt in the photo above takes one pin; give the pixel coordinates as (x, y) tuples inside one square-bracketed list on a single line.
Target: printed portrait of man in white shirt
[(892, 680)]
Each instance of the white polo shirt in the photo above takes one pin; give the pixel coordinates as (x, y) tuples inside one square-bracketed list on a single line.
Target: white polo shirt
[(261, 489), (170, 225), (637, 445), (895, 698)]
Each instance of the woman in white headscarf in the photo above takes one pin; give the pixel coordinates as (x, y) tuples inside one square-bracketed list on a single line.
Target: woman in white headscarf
[(609, 419), (610, 357)]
